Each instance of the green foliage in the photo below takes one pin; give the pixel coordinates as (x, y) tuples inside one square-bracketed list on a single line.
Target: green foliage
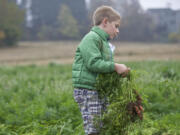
[(35, 100), (68, 24), (10, 25), (38, 100), (47, 33), (2, 35), (45, 14), (174, 37), (119, 92)]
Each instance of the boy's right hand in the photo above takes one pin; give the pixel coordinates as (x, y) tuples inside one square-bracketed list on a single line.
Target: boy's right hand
[(121, 69)]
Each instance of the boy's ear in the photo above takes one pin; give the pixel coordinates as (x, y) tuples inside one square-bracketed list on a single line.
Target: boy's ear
[(104, 21)]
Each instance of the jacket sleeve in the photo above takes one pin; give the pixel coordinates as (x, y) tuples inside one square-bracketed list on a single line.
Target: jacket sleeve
[(92, 57)]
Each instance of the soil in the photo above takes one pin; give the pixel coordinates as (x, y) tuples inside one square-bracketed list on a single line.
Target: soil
[(62, 52)]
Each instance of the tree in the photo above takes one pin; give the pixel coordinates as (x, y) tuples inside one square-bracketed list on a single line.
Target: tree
[(174, 37), (80, 13), (45, 14), (68, 24), (47, 33), (136, 24), (11, 19), (96, 3)]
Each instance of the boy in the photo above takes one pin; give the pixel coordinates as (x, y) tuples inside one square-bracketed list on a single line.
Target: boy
[(94, 56)]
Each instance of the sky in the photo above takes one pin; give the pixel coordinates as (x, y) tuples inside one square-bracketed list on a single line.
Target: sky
[(18, 1), (174, 4)]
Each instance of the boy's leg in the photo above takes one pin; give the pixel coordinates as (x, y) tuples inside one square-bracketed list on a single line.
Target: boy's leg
[(90, 106)]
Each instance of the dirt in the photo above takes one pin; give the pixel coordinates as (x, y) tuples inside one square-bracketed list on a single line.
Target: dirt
[(63, 52)]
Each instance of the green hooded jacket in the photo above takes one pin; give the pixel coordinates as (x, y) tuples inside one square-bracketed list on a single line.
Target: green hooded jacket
[(93, 56)]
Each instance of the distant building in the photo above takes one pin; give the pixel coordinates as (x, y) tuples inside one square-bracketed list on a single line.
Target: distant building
[(166, 18)]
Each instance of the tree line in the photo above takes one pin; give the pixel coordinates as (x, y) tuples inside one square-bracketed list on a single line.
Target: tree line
[(11, 20), (70, 20)]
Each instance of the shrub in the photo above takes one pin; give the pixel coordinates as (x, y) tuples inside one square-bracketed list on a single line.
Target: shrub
[(10, 25), (174, 37)]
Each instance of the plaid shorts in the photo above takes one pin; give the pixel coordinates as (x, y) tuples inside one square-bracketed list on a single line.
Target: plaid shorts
[(90, 106)]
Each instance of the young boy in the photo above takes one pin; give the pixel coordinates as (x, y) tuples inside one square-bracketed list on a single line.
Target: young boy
[(94, 56)]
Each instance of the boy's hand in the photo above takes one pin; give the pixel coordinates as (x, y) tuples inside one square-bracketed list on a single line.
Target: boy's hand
[(122, 69), (126, 73)]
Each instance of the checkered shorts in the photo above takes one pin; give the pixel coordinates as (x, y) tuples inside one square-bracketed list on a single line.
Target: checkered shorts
[(90, 106)]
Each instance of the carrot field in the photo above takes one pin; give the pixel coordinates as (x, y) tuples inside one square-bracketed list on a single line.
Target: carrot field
[(38, 100), (36, 93)]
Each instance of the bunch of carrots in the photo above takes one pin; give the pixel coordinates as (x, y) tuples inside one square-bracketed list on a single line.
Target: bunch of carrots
[(135, 108), (124, 102)]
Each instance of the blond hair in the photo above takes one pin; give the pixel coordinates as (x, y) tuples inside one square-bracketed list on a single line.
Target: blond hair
[(105, 12)]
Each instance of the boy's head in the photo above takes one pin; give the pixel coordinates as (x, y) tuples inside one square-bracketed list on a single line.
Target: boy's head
[(108, 19)]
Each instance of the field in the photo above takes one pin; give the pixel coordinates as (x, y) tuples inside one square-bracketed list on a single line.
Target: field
[(63, 52), (37, 95)]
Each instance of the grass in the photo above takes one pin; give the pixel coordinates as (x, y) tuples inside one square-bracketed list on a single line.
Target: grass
[(38, 100)]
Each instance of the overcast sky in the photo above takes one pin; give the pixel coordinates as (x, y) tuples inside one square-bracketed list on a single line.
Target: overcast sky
[(174, 4)]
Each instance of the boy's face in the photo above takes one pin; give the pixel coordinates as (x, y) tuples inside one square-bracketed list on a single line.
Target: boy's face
[(112, 28)]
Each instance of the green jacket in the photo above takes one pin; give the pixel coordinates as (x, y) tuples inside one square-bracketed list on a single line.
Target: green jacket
[(93, 56)]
